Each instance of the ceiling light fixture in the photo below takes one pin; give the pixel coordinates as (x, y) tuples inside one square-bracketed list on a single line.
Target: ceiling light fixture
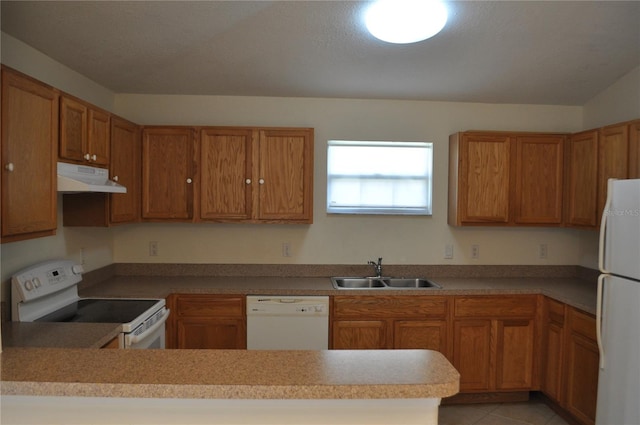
[(405, 21)]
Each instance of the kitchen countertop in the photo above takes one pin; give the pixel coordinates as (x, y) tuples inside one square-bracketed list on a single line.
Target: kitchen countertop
[(241, 373), (579, 293), (228, 374)]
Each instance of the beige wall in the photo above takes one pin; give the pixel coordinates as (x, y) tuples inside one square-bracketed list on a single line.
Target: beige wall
[(347, 239), (619, 102)]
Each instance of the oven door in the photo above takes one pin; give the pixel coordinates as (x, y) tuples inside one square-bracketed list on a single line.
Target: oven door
[(149, 334)]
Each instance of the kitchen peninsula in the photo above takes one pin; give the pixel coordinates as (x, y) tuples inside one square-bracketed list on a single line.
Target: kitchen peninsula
[(224, 386)]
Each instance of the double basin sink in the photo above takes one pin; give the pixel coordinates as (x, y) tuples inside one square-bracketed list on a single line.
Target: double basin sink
[(382, 283)]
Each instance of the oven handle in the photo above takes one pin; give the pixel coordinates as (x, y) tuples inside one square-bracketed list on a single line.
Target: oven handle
[(137, 338)]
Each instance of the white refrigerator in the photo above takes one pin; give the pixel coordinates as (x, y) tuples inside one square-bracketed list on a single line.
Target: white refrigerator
[(618, 307)]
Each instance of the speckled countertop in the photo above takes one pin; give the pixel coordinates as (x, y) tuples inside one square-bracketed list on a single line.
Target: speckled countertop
[(250, 374), (227, 374)]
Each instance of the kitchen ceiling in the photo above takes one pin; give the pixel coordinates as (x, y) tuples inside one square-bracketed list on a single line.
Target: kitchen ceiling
[(547, 52)]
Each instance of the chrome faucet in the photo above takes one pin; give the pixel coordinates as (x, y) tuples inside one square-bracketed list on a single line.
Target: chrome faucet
[(377, 266)]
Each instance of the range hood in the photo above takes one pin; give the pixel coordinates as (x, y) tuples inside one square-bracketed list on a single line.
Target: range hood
[(73, 178)]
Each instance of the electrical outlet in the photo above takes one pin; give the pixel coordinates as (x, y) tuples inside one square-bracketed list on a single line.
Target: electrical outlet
[(542, 251), (153, 248), (448, 252), (475, 251), (286, 249)]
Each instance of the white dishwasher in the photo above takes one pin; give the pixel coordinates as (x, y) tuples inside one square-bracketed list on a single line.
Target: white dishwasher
[(287, 322)]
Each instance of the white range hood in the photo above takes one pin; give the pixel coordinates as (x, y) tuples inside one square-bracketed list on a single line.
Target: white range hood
[(73, 178)]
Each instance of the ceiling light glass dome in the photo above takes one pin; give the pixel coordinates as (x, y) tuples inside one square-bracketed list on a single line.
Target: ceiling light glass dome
[(405, 21)]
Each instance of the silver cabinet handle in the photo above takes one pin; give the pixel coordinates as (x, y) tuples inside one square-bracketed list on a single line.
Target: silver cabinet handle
[(261, 181), (248, 181), (9, 166), (115, 178), (94, 157), (87, 157), (189, 181)]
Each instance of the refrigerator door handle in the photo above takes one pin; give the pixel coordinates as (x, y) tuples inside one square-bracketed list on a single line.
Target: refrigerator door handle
[(603, 227), (599, 303)]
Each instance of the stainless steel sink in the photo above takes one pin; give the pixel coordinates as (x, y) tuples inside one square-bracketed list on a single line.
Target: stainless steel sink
[(382, 283)]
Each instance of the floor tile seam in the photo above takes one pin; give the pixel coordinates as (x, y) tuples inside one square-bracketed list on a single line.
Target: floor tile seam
[(518, 421)]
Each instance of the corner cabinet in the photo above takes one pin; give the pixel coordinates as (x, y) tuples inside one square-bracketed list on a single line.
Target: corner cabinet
[(505, 179), (168, 173), (29, 156), (260, 175), (581, 190), (201, 321)]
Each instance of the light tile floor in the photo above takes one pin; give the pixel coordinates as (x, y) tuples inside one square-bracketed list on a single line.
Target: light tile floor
[(533, 412)]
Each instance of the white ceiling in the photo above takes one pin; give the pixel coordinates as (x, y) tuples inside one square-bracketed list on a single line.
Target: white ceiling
[(547, 52)]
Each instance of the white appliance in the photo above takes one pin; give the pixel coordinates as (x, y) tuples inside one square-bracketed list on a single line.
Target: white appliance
[(618, 308), (48, 292), (74, 178), (287, 322)]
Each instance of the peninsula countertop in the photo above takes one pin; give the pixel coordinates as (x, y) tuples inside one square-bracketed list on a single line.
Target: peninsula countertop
[(228, 374)]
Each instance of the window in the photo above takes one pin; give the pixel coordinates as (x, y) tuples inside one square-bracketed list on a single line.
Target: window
[(379, 177)]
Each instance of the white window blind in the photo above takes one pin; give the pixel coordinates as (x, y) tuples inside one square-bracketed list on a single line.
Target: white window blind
[(379, 177)]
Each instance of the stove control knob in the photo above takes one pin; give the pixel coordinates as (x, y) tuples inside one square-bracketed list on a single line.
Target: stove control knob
[(36, 282), (28, 285), (77, 269)]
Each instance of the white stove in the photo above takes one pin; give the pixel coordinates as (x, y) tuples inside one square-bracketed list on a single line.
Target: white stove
[(48, 292)]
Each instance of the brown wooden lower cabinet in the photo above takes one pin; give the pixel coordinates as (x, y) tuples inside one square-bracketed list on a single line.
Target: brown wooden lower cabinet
[(570, 371), (494, 342), (201, 321), (386, 322)]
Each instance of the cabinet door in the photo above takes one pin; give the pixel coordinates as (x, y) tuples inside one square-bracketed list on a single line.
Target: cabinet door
[(420, 334), (98, 138), (613, 158), (538, 171), (514, 362), (553, 350), (211, 333), (125, 169), (581, 366), (582, 179), (359, 334), (168, 173), (73, 129), (226, 174), (285, 175), (472, 354), (29, 156), (634, 150), (484, 179)]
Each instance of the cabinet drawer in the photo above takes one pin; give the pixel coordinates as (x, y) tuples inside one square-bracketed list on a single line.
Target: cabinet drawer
[(210, 305), (389, 306), (582, 323), (491, 306)]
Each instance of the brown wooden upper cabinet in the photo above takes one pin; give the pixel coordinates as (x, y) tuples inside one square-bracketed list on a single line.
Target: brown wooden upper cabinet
[(593, 157), (507, 179), (168, 173), (125, 169), (29, 156), (262, 175), (84, 132)]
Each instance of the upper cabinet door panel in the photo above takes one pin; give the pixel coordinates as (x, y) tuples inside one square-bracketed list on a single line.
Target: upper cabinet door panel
[(29, 156), (613, 158), (484, 178), (98, 137), (285, 175), (634, 150), (125, 168), (539, 166), (73, 129), (226, 174), (581, 190), (168, 173)]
